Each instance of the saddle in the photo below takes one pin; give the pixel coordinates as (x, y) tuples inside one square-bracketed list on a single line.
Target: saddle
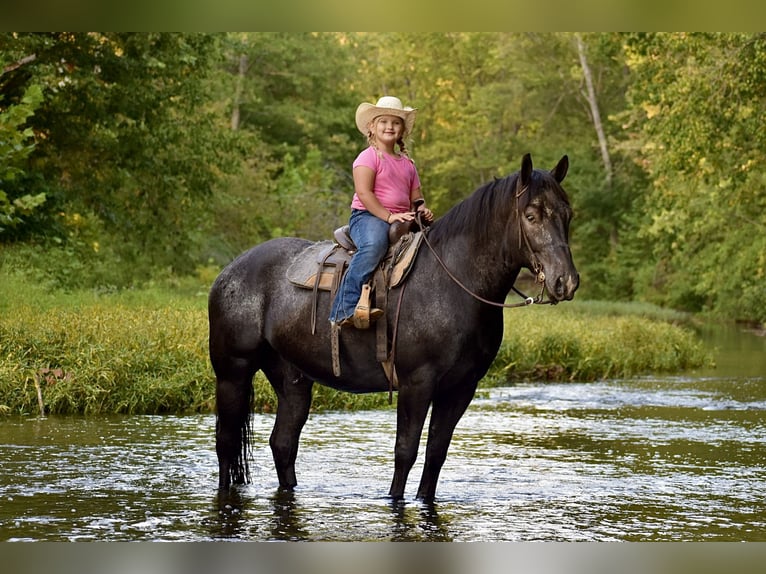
[(321, 266)]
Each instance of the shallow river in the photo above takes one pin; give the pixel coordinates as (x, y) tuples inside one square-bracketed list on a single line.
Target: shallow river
[(666, 458)]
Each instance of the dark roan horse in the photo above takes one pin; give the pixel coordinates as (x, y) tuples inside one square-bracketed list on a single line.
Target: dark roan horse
[(446, 337)]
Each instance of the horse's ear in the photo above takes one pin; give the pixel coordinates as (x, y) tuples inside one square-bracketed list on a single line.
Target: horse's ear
[(560, 171), (526, 170)]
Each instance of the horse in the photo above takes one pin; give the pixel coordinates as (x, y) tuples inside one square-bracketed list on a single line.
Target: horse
[(449, 329)]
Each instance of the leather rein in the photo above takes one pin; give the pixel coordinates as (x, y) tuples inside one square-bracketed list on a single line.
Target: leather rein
[(538, 268)]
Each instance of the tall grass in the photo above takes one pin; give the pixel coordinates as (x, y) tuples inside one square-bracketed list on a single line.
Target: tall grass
[(145, 351), (587, 341)]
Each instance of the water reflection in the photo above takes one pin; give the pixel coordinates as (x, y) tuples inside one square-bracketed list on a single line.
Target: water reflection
[(228, 519), (235, 511), (287, 516), (287, 521), (418, 523)]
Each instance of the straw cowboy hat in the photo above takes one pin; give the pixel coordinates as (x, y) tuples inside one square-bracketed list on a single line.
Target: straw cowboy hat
[(386, 106)]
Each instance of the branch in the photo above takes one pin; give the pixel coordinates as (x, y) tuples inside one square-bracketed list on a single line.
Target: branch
[(19, 63)]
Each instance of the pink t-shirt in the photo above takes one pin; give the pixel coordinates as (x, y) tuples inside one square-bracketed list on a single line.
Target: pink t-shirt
[(395, 178)]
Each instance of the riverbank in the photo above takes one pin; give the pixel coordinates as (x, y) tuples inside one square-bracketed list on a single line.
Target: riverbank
[(145, 351)]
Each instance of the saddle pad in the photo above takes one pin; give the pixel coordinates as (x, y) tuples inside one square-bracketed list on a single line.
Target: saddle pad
[(404, 253), (303, 269)]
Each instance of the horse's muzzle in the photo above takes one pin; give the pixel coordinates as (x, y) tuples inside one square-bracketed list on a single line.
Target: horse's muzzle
[(563, 289)]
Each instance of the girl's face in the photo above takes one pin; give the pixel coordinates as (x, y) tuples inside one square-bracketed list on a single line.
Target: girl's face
[(388, 129)]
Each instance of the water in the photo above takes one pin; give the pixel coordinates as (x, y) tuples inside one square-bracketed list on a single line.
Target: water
[(679, 458)]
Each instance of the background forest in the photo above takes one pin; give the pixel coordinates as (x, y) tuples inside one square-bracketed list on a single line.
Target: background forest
[(129, 158)]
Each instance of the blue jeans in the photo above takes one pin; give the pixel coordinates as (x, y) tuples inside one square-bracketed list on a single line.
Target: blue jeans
[(370, 235)]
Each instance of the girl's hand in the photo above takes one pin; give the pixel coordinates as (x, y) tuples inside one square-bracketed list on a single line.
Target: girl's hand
[(403, 217), (426, 213)]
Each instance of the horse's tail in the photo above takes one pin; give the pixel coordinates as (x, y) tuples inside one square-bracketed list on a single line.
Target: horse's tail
[(233, 441), (240, 468)]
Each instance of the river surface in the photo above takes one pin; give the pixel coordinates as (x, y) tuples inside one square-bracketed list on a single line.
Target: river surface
[(660, 458)]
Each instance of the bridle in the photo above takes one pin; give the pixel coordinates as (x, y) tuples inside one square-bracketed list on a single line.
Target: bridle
[(537, 266)]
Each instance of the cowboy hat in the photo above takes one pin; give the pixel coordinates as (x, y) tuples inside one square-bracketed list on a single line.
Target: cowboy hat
[(386, 106)]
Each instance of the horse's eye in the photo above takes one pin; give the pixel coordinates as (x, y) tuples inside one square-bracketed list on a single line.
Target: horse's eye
[(530, 217)]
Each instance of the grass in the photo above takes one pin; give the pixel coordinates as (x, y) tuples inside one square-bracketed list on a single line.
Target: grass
[(595, 340), (145, 351)]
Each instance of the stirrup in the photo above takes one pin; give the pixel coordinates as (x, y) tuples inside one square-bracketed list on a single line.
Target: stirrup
[(363, 315)]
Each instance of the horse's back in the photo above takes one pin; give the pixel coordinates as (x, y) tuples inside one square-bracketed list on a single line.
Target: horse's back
[(242, 289), (262, 259)]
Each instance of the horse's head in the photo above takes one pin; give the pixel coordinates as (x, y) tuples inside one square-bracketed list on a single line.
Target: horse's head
[(543, 213)]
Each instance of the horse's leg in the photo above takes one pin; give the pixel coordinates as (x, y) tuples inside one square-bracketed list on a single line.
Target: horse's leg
[(411, 410), (446, 412), (234, 394), (293, 391)]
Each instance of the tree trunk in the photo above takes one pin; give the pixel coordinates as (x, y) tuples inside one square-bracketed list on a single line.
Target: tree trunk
[(590, 96), (238, 91)]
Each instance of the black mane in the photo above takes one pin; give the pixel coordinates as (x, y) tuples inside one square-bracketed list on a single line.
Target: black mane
[(492, 199)]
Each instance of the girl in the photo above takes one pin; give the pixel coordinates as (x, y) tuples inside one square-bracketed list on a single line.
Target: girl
[(386, 186)]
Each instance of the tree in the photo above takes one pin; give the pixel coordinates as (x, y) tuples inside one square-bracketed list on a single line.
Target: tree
[(698, 114), (127, 138), (593, 104), (15, 147), (295, 95), (611, 187)]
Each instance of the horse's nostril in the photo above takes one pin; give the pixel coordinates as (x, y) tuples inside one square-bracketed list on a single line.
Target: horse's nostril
[(570, 286)]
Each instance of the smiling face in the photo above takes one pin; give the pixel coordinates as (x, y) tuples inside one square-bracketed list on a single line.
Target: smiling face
[(388, 130)]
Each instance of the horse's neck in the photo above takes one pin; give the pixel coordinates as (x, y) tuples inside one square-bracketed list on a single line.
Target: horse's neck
[(483, 262)]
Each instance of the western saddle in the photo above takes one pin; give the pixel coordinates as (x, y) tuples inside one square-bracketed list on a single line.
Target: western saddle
[(321, 266)]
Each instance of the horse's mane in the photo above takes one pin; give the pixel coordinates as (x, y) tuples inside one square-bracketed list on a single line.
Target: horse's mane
[(471, 215), (494, 199)]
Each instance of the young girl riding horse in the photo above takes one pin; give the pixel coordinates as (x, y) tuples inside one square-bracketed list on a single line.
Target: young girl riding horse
[(386, 190)]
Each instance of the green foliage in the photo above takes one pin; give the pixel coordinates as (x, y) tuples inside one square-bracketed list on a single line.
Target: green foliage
[(697, 110), (298, 93), (105, 358), (128, 133), (294, 104), (240, 212), (15, 147), (307, 193)]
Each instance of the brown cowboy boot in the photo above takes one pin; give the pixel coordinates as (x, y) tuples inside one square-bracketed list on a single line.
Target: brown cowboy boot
[(363, 315)]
